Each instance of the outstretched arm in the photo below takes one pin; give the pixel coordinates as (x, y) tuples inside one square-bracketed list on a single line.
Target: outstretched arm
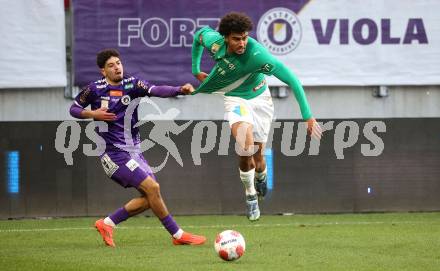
[(169, 91), (144, 88), (164, 91), (287, 76)]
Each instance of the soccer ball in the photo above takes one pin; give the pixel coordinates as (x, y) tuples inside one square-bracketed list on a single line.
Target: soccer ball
[(229, 245)]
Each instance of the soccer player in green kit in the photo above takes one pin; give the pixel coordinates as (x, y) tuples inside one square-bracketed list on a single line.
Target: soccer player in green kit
[(239, 75)]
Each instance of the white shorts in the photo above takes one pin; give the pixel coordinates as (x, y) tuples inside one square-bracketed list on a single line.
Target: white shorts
[(257, 111)]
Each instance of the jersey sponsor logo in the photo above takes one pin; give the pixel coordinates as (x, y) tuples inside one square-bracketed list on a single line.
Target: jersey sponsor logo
[(132, 165), (125, 100), (260, 85), (116, 93), (109, 166), (214, 48), (128, 86), (231, 66), (104, 103), (100, 81), (279, 30), (267, 68), (129, 79), (221, 71)]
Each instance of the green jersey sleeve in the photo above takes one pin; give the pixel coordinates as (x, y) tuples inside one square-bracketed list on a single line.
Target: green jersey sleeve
[(286, 75), (266, 63), (205, 37)]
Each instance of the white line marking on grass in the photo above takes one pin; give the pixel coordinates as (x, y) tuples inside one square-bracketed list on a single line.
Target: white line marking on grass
[(253, 225), (39, 230)]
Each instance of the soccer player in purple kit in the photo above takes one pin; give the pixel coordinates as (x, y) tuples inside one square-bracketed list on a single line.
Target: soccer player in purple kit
[(109, 98)]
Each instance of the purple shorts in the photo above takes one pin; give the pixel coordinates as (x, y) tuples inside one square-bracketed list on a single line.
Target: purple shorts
[(127, 169)]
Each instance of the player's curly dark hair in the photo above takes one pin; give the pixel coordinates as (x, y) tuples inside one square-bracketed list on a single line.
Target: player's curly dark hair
[(234, 22), (104, 55)]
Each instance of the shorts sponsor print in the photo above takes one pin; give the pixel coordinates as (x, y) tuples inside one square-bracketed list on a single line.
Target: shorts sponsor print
[(257, 111), (127, 169)]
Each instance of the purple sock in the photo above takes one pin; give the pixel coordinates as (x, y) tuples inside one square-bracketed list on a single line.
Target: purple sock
[(119, 215), (169, 224)]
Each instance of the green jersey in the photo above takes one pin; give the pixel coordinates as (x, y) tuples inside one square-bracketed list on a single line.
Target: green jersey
[(242, 75)]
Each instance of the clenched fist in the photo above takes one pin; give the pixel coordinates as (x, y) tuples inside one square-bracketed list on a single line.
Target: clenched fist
[(187, 89)]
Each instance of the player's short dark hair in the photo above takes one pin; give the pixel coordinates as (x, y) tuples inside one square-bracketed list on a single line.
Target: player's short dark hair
[(104, 55), (234, 22)]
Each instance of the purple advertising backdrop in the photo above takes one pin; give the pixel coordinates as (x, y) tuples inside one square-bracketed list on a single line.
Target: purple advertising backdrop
[(154, 37)]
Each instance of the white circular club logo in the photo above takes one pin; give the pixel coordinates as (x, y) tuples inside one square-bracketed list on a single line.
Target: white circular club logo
[(125, 100), (279, 30)]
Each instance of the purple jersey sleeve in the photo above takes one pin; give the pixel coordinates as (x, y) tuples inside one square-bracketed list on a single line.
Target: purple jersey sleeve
[(75, 111), (82, 100), (165, 91), (144, 88), (85, 97)]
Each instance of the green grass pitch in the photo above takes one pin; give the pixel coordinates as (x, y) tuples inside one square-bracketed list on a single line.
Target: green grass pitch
[(391, 241)]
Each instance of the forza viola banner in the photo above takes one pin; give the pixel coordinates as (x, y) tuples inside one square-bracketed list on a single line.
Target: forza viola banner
[(340, 42)]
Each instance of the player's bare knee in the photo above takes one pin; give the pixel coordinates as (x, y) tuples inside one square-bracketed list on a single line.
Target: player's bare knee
[(149, 187), (153, 188)]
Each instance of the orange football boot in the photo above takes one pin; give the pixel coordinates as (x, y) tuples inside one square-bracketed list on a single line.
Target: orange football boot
[(189, 239), (106, 232)]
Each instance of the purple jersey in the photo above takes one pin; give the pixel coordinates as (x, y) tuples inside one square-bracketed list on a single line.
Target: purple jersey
[(117, 99)]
